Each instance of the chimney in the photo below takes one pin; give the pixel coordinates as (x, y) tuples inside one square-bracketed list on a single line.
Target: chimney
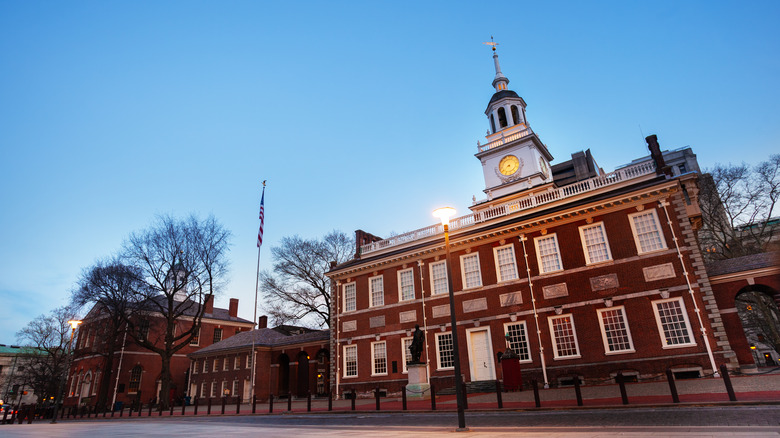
[(363, 238), (262, 322), (233, 309), (209, 304), (655, 151)]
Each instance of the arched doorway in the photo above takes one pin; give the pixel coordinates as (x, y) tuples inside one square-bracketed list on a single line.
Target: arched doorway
[(303, 374), (757, 307), (323, 372), (284, 375)]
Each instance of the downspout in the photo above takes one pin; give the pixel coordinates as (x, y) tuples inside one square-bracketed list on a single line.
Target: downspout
[(715, 373), (336, 353), (119, 368), (425, 325), (536, 315)]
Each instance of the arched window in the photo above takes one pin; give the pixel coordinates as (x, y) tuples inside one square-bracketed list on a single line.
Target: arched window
[(502, 117), (135, 379), (515, 114), (73, 384)]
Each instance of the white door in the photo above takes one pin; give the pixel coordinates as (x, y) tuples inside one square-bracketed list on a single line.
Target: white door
[(481, 357)]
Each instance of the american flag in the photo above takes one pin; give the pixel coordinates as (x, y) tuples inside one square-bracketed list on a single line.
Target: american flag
[(262, 219)]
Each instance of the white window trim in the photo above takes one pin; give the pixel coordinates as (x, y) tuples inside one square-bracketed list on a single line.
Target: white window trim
[(498, 267), (438, 353), (400, 290), (344, 297), (585, 248), (527, 339), (373, 358), (237, 362), (403, 353), (604, 331), (539, 256), (430, 274), (371, 291), (226, 364), (345, 376), (463, 270), (213, 390), (195, 341), (661, 334), (555, 343), (205, 366), (654, 212)]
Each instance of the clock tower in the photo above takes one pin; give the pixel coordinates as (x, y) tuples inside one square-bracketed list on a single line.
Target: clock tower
[(514, 159)]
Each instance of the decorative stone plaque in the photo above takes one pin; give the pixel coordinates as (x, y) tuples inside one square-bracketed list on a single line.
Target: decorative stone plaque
[(474, 305), (511, 299), (604, 282), (439, 311), (555, 291), (659, 272), (349, 326), (377, 321), (409, 316)]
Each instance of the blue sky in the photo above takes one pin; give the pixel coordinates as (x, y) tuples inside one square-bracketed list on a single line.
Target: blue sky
[(359, 114)]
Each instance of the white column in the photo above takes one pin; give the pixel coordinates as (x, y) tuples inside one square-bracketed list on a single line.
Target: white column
[(510, 121), (496, 121)]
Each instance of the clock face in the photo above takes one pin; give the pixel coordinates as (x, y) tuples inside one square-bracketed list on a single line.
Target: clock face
[(509, 165), (543, 166)]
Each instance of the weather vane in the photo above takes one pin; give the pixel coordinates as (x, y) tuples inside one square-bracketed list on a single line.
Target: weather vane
[(492, 43), (264, 182)]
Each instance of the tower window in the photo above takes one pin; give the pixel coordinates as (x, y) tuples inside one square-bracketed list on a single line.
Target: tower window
[(502, 117), (492, 123), (515, 114)]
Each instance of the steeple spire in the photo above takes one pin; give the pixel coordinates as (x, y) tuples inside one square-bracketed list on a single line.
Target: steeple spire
[(500, 81)]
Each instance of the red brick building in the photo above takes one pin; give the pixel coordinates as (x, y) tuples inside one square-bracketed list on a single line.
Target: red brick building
[(586, 274), (139, 369), (290, 361)]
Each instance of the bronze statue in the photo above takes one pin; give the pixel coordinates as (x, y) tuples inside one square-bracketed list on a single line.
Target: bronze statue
[(417, 345)]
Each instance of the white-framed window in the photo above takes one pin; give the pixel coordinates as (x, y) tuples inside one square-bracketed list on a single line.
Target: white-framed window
[(226, 364), (547, 253), (647, 231), (469, 268), (195, 367), (224, 387), (350, 297), (213, 389), (217, 335), (205, 365), (237, 362), (406, 285), (249, 357), (673, 323), (379, 358), (376, 287), (407, 355), (215, 366), (236, 388), (96, 383), (350, 361), (614, 330), (438, 277), (506, 266), (195, 337), (564, 337), (444, 356), (203, 388), (594, 243), (518, 339)]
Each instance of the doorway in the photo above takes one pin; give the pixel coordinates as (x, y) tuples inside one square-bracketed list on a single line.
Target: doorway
[(480, 354)]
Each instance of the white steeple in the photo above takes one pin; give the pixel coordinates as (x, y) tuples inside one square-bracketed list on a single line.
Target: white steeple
[(500, 81)]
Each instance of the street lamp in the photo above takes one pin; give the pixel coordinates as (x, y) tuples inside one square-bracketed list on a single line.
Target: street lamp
[(74, 323), (444, 214)]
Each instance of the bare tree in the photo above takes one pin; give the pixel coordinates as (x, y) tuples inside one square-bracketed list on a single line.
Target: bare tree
[(110, 287), (182, 264), (760, 317), (45, 358), (737, 204), (297, 287)]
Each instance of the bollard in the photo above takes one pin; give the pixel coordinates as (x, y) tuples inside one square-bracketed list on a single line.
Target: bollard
[(140, 407), (499, 399), (224, 402), (465, 395), (150, 409), (289, 402), (403, 399), (89, 411), (30, 414), (121, 411), (62, 413), (238, 405), (433, 398), (622, 384), (376, 396), (195, 411), (672, 386), (537, 400), (727, 380), (271, 404), (254, 403), (577, 390), (159, 410), (5, 416), (104, 412), (183, 407), (308, 402), (330, 401), (172, 405), (208, 409), (354, 396)]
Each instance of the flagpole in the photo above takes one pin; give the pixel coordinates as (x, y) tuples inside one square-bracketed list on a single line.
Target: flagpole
[(257, 284)]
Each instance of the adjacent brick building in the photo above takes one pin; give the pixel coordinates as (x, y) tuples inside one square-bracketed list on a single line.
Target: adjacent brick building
[(583, 273)]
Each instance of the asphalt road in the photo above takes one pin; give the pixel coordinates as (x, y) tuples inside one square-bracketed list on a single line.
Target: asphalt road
[(713, 421)]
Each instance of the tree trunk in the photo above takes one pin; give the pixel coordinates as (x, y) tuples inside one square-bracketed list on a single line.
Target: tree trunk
[(165, 383), (105, 379)]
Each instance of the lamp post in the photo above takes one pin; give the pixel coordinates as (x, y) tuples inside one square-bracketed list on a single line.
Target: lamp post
[(444, 214), (73, 324)]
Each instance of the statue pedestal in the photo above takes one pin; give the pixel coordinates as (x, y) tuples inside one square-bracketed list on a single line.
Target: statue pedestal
[(418, 387)]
